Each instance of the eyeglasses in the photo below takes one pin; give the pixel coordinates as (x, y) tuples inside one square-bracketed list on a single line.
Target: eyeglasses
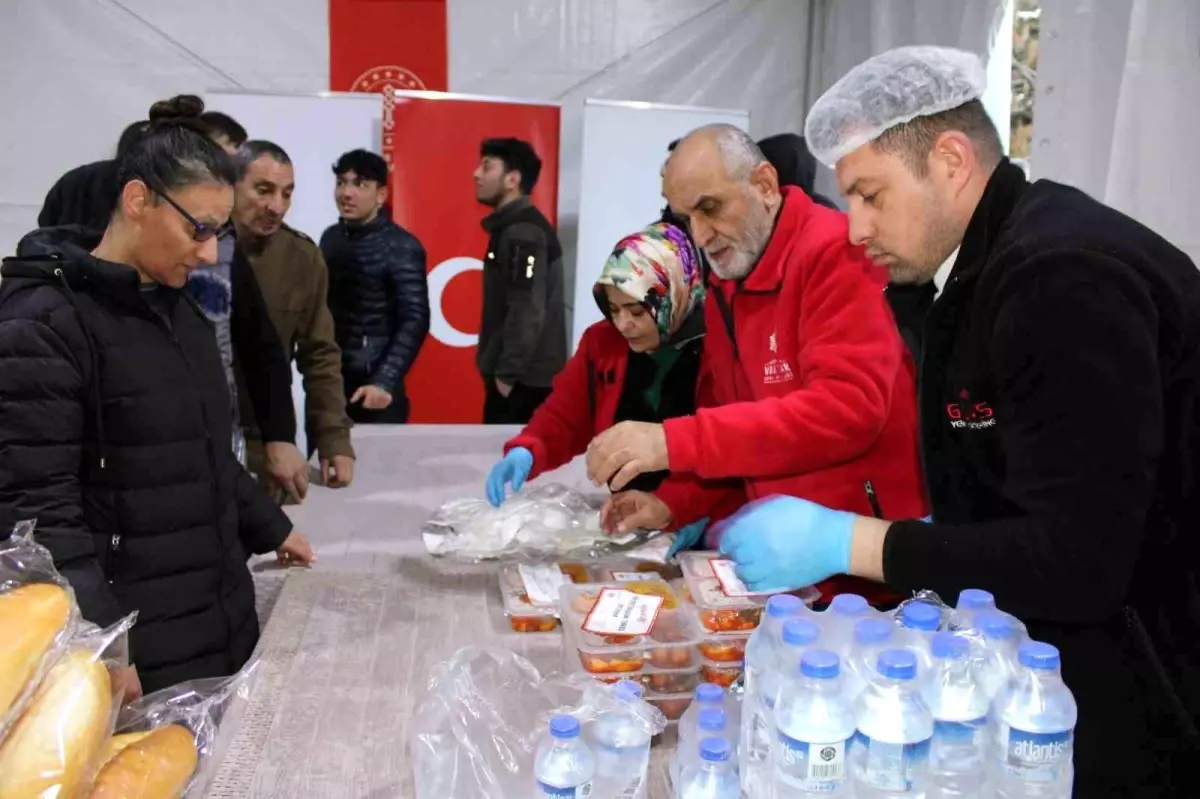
[(200, 231)]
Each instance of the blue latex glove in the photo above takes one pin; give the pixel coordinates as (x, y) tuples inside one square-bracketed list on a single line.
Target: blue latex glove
[(687, 537), (512, 468), (787, 542)]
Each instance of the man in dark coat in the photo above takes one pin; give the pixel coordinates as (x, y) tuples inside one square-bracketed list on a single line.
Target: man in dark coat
[(377, 291)]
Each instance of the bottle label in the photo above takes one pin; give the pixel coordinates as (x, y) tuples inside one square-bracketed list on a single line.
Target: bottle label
[(811, 767), (891, 767), (546, 791), (1036, 756)]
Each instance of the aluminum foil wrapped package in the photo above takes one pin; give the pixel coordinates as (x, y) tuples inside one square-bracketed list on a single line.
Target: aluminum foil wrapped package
[(548, 521)]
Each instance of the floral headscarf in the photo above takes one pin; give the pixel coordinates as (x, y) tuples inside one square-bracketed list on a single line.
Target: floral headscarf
[(658, 267)]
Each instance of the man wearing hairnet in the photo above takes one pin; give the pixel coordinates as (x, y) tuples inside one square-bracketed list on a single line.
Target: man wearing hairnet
[(1060, 415)]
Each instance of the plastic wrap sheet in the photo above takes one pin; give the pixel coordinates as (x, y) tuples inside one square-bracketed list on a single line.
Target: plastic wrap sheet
[(475, 734)]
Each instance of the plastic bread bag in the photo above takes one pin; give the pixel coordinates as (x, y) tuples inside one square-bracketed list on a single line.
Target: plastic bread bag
[(548, 521), (53, 750), (37, 615), (165, 739)]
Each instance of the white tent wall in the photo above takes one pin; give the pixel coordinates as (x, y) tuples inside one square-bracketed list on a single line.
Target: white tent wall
[(1116, 110)]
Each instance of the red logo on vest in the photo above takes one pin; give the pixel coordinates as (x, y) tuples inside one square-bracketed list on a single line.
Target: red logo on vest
[(969, 414)]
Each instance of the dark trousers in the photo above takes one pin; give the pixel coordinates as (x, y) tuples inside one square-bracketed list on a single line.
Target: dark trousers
[(516, 408), (396, 413)]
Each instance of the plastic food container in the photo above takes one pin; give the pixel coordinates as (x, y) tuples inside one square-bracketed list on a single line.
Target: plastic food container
[(669, 646), (672, 706), (670, 681), (719, 612), (723, 674), (523, 615), (724, 648), (622, 570)]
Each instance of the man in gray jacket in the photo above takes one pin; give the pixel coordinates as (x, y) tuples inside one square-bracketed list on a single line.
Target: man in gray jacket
[(523, 333)]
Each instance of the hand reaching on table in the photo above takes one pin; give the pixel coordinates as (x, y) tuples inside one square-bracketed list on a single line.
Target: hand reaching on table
[(295, 551), (513, 468), (627, 511)]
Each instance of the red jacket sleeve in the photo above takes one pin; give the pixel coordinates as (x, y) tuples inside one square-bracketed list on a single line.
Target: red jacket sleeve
[(848, 359), (561, 427), (691, 498)]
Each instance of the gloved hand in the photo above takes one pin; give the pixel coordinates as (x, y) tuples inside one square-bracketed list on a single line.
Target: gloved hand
[(687, 537), (512, 468), (787, 542)]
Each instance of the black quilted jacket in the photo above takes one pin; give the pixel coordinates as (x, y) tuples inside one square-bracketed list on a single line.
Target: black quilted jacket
[(379, 300), (115, 436)]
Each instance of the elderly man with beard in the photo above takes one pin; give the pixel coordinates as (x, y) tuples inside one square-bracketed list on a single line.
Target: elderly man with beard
[(809, 392)]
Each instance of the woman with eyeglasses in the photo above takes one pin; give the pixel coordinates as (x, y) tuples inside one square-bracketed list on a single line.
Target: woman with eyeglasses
[(116, 423)]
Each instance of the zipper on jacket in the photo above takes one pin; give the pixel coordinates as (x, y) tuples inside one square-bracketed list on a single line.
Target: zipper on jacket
[(873, 499), (1134, 622), (114, 550)]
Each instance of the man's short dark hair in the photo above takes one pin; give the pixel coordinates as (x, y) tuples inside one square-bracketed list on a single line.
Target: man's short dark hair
[(255, 149), (914, 140), (364, 163), (518, 156), (225, 125)]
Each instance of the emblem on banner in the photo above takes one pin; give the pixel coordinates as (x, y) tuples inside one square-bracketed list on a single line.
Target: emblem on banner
[(387, 80)]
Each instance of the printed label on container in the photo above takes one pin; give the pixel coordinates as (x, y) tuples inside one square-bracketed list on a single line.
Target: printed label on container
[(726, 573), (711, 595), (542, 582), (547, 791), (810, 767), (632, 577), (621, 612), (892, 767), (1036, 756)]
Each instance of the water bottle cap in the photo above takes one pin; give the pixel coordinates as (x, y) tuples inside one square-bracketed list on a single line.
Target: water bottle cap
[(564, 727), (820, 664), (801, 632), (976, 599), (709, 692), (712, 719), (872, 631), (782, 606), (627, 690), (921, 616), (1039, 656), (714, 750), (897, 664), (848, 605), (949, 646), (994, 624)]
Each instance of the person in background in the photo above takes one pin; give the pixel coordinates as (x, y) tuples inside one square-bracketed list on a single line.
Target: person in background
[(115, 408), (1060, 414), (794, 164), (523, 332), (641, 363), (377, 291), (227, 292), (812, 395), (294, 282)]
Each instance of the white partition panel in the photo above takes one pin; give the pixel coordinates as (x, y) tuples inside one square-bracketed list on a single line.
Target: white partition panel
[(624, 146), (314, 129)]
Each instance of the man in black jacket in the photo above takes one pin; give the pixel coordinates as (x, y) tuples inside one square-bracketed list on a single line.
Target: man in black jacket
[(377, 291), (1060, 416), (523, 333)]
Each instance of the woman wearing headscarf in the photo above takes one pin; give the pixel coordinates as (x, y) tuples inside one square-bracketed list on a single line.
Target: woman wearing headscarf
[(640, 363)]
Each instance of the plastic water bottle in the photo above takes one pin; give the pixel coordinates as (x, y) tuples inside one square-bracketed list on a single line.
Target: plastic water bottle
[(711, 775), (762, 663), (838, 621), (921, 621), (871, 636), (564, 766), (959, 704), (890, 757), (971, 602), (1033, 720), (708, 695), (998, 661), (799, 635), (814, 729), (622, 747)]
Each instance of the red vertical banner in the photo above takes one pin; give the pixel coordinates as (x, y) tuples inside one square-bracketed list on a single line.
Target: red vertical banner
[(435, 143), (375, 44)]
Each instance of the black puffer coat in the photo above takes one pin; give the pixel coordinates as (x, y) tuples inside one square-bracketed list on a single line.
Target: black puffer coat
[(379, 300), (115, 436)]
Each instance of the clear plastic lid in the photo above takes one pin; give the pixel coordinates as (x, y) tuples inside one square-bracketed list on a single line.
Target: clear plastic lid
[(669, 644)]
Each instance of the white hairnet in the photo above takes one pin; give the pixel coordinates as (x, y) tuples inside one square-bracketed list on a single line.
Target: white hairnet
[(887, 90)]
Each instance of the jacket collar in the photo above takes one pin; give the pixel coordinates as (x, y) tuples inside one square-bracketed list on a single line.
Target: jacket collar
[(503, 215), (63, 256), (354, 231), (1004, 190), (767, 275)]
